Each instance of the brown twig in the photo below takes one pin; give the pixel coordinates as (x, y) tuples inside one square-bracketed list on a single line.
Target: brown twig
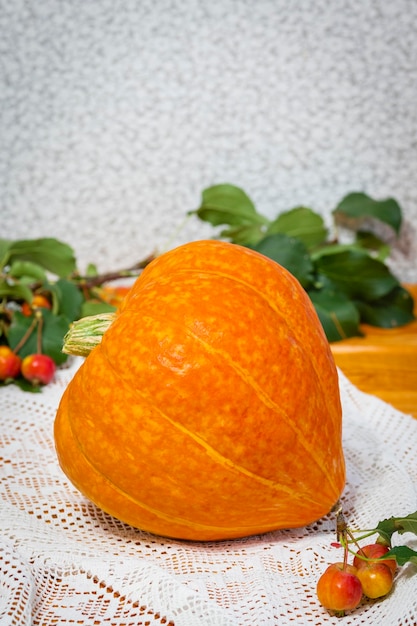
[(94, 281)]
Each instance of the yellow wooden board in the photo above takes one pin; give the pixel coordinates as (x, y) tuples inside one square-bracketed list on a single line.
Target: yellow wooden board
[(383, 362)]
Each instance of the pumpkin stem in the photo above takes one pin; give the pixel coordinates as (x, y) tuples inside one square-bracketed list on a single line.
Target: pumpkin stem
[(86, 333)]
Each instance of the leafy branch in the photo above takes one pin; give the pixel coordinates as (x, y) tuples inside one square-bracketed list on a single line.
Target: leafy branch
[(348, 283), (45, 269), (386, 529)]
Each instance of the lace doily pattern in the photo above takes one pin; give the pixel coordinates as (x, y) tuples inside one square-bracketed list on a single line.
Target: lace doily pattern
[(64, 561)]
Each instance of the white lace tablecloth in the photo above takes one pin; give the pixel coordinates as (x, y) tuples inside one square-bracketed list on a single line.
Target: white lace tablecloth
[(63, 561)]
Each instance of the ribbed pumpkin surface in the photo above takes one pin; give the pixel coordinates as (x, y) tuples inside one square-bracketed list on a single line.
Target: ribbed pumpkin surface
[(211, 408)]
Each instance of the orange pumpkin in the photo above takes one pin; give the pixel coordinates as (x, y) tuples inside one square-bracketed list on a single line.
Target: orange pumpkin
[(211, 408)]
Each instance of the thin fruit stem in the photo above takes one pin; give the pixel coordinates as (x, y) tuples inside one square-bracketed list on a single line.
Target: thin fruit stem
[(39, 334), (352, 538), (345, 553), (365, 535), (26, 336), (341, 525), (342, 535)]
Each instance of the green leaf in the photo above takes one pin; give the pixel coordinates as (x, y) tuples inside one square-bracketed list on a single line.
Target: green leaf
[(357, 207), (19, 326), (94, 308), (5, 245), (338, 315), (27, 269), (244, 235), (402, 554), (393, 310), (26, 385), (289, 252), (355, 273), (334, 248), (369, 241), (301, 223), (227, 204), (15, 291), (68, 299), (54, 329), (406, 524), (53, 255), (364, 242), (91, 270)]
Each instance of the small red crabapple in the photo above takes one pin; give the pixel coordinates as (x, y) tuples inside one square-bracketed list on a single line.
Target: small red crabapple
[(10, 363), (376, 579), (39, 369), (374, 551), (38, 302), (339, 589)]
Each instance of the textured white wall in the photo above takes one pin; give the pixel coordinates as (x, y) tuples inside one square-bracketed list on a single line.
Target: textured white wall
[(116, 114)]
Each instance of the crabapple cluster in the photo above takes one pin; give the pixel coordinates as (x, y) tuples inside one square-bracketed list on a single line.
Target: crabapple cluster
[(342, 586), (38, 368)]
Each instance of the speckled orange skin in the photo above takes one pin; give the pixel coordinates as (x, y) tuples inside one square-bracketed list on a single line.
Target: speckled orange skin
[(211, 409)]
